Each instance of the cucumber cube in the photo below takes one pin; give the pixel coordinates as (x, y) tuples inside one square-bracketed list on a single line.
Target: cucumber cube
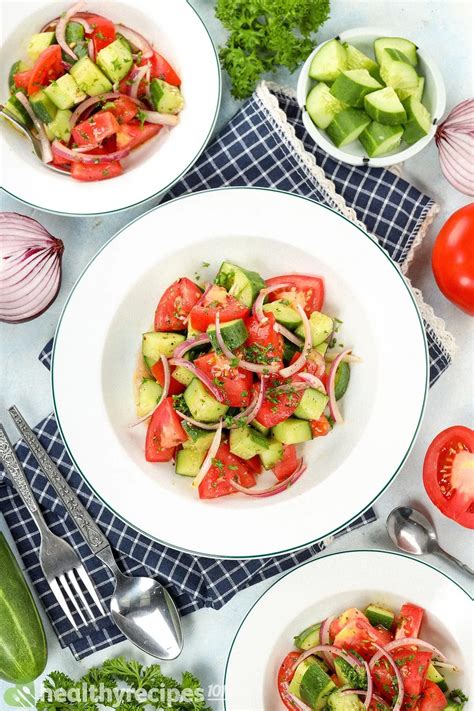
[(148, 396), (322, 106), (417, 92), (284, 314), (400, 75), (378, 139), (346, 126), (202, 405), (43, 106), (311, 405), (166, 98), (89, 78), (292, 431), (116, 59), (60, 126), (245, 442), (188, 462), (385, 107), (18, 111), (64, 92), (419, 120), (328, 62), (321, 327), (273, 454), (358, 60), (156, 344), (241, 283), (234, 334), (38, 43), (351, 86)]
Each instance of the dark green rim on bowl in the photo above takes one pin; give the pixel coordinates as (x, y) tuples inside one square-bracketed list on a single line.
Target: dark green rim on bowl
[(304, 544)]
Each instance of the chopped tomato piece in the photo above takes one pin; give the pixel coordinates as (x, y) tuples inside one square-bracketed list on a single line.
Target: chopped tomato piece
[(347, 616), (285, 675), (123, 109), (133, 134), (277, 407), (413, 666), (360, 637), (103, 31), (22, 79), (409, 621), (307, 291), (48, 67), (264, 344), (216, 300), (88, 172), (288, 464), (236, 384), (95, 129), (225, 466), (314, 364), (175, 305), (321, 427), (432, 698), (255, 464), (161, 69), (164, 431), (158, 373)]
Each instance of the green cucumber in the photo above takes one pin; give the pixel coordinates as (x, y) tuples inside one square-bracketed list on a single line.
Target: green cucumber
[(74, 33), (38, 43), (188, 461), (156, 344), (15, 68), (182, 374), (358, 60), (355, 676), (436, 677), (378, 140), (292, 431), (18, 111), (202, 405), (64, 92), (283, 312), (89, 78), (149, 394), (385, 107), (242, 284), (380, 616), (261, 428), (272, 454), (311, 683), (419, 120), (322, 106), (309, 637), (311, 405), (339, 701), (346, 126), (245, 442), (351, 86), (417, 91), (234, 334), (43, 106), (166, 98), (404, 46), (200, 440), (23, 649), (341, 381), (328, 62), (115, 59), (321, 327), (60, 126), (400, 75)]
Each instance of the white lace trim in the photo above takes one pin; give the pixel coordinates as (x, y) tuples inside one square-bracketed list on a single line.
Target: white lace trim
[(308, 162)]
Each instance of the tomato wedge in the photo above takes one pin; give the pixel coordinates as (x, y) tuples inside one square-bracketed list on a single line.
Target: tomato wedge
[(413, 666), (277, 407), (307, 291), (48, 66), (133, 134), (161, 69), (216, 300), (22, 79), (432, 698), (95, 129), (285, 675), (175, 305), (288, 464), (158, 372), (236, 384), (88, 172), (123, 109), (164, 432), (264, 344), (360, 636), (225, 466), (409, 621), (321, 427), (103, 31), (448, 474)]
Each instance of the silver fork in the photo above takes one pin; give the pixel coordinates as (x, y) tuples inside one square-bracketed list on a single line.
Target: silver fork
[(60, 563), (35, 142)]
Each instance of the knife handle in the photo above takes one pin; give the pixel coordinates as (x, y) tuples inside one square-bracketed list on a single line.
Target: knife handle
[(86, 525)]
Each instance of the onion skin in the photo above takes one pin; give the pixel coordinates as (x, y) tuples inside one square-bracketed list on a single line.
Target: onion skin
[(455, 141)]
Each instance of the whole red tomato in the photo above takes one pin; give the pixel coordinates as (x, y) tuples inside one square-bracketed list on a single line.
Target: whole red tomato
[(453, 259)]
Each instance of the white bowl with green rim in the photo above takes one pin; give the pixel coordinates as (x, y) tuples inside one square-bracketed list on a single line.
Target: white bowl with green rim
[(434, 98)]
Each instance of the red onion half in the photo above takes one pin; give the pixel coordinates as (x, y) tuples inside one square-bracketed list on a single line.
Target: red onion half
[(455, 140), (30, 271)]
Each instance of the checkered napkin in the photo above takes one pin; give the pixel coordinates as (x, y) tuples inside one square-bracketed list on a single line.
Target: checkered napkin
[(264, 145)]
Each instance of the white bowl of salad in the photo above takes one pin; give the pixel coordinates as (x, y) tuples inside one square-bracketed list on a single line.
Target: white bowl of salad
[(369, 98), (352, 631), (249, 437), (111, 92)]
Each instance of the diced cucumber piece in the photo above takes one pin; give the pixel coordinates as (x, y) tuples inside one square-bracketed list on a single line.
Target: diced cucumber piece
[(43, 106), (241, 283), (60, 126), (322, 348), (379, 616), (400, 75), (436, 677), (321, 327), (234, 334), (166, 98), (378, 139), (148, 395), (188, 461), (74, 33), (202, 405), (385, 107), (273, 454), (200, 440), (283, 312), (346, 674), (358, 60), (311, 405), (341, 381), (417, 92), (419, 120), (181, 374), (64, 92), (155, 344), (38, 43), (116, 59), (346, 126), (309, 637), (245, 442), (340, 701), (292, 431), (89, 78), (395, 55), (351, 86), (328, 62), (18, 111), (14, 69), (405, 46), (322, 106), (260, 428), (312, 684)]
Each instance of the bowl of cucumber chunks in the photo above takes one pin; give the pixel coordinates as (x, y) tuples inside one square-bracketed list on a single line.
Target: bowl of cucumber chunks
[(370, 98)]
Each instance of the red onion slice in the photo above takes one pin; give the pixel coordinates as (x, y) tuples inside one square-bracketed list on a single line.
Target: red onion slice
[(191, 343), (301, 360), (61, 29), (401, 688), (74, 156), (244, 364), (137, 40), (160, 119), (313, 380), (203, 377), (349, 358), (136, 77), (206, 465), (289, 335), (196, 423), (276, 488), (317, 649), (46, 154), (445, 665), (91, 50), (292, 699), (258, 305), (290, 387), (82, 21), (333, 406), (250, 413), (324, 639), (164, 392), (409, 642)]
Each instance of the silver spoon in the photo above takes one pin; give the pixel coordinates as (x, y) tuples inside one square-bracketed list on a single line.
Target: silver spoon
[(413, 533), (35, 142)]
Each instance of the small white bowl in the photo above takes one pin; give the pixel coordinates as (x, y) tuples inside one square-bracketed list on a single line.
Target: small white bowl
[(434, 98)]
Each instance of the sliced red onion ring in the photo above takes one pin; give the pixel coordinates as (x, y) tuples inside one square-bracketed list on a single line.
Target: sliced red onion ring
[(250, 413), (244, 364), (61, 29), (290, 387), (191, 343), (87, 103), (196, 423), (160, 119), (73, 156), (276, 488), (333, 406), (410, 642), (136, 77), (164, 392), (292, 699), (46, 153), (455, 140), (313, 380), (88, 147), (401, 688), (82, 21), (206, 465), (350, 358), (324, 639), (91, 50), (289, 335), (137, 40), (317, 649), (301, 360), (258, 305), (198, 373)]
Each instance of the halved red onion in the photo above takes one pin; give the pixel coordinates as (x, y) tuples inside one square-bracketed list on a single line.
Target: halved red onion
[(191, 343), (136, 77), (206, 465), (160, 119), (410, 642), (289, 335), (137, 40), (258, 305), (292, 699), (250, 413), (61, 29), (324, 639), (313, 380), (276, 488), (382, 652), (195, 423), (349, 358), (300, 361), (46, 154), (30, 274), (164, 392), (73, 155), (87, 103), (455, 140), (333, 406), (198, 373), (244, 364)]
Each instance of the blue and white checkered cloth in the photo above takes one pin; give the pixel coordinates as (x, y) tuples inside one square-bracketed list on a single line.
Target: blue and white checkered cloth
[(260, 146)]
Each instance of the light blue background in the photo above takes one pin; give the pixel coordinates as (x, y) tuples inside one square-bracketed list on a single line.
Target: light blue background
[(445, 28)]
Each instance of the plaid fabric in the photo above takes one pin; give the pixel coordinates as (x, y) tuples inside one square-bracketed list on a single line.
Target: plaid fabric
[(249, 151)]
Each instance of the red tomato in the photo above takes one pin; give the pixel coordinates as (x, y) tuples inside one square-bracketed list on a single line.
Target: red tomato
[(347, 616), (161, 69), (133, 134), (453, 259), (360, 636), (48, 66), (164, 431), (91, 171), (123, 109), (255, 464), (22, 79), (95, 129), (225, 466), (288, 464), (264, 344), (307, 291), (277, 407), (103, 31), (447, 474), (175, 305), (158, 373), (409, 621), (236, 384), (432, 698), (216, 300), (413, 667), (321, 427), (314, 364), (285, 675)]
